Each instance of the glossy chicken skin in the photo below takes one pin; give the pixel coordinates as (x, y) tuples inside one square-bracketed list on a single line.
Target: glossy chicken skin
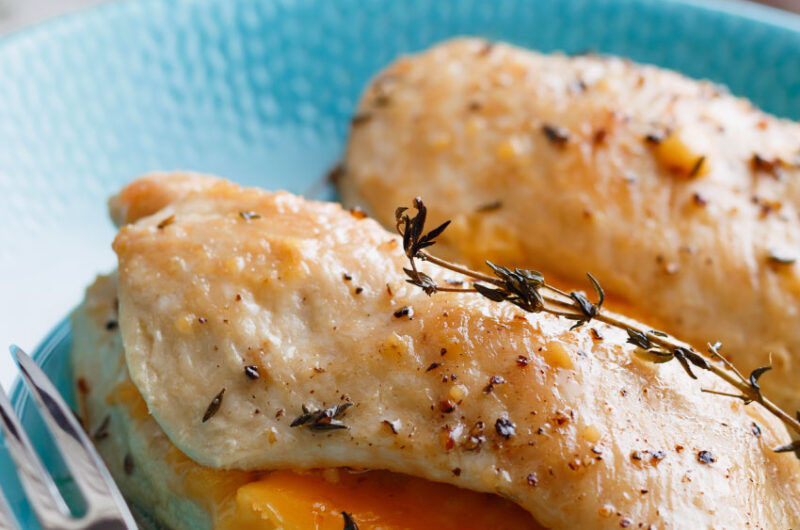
[(578, 431), (681, 199)]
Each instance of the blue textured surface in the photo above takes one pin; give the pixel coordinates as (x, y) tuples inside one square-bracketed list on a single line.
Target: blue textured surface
[(261, 92)]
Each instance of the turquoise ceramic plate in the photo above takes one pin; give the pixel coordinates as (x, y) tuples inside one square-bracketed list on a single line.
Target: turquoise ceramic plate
[(261, 92)]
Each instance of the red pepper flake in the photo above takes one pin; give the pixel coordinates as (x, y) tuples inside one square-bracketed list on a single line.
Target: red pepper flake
[(358, 213), (532, 479), (678, 448), (83, 386), (705, 457), (238, 297), (166, 222), (522, 361), (447, 406), (643, 492), (505, 428), (433, 366)]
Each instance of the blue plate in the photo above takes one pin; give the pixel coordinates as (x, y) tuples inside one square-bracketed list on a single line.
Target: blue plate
[(261, 92)]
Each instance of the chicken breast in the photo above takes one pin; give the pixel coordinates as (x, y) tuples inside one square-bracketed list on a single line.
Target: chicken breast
[(681, 199), (178, 493), (266, 331)]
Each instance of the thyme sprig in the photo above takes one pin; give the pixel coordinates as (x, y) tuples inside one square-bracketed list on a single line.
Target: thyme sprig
[(528, 290)]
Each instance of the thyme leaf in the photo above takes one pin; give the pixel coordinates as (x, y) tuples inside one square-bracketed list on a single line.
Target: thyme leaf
[(328, 419), (528, 290)]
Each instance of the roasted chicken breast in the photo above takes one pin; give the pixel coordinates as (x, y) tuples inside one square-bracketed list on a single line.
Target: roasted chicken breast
[(265, 331), (681, 199)]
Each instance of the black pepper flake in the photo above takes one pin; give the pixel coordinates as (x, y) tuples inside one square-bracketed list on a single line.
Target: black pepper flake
[(596, 335), (457, 471), (214, 406), (699, 200), (349, 523), (393, 425), (756, 430), (522, 361), (251, 371), (111, 325), (166, 222), (494, 380), (359, 290), (101, 433), (127, 464), (625, 523), (433, 366), (323, 419), (655, 138), (202, 320), (443, 351), (557, 135), (405, 311), (705, 457), (247, 216), (489, 207), (505, 428), (697, 166), (346, 277), (532, 479)]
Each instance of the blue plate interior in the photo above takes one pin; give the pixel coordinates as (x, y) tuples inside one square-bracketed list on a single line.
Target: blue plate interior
[(262, 92)]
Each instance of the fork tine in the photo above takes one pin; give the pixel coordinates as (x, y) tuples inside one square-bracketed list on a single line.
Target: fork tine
[(103, 498), (37, 483), (7, 519)]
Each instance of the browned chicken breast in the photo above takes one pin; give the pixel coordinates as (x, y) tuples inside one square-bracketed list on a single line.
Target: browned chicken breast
[(265, 331), (681, 199)]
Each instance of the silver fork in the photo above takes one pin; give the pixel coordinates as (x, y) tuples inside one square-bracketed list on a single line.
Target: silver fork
[(106, 508)]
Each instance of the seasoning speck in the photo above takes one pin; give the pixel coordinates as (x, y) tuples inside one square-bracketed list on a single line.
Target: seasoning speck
[(247, 216), (532, 480), (756, 430), (102, 431), (489, 207), (166, 222), (394, 426), (557, 135), (505, 428), (111, 325), (405, 311), (705, 457), (251, 371), (433, 366), (213, 407), (127, 464), (359, 290), (522, 361)]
